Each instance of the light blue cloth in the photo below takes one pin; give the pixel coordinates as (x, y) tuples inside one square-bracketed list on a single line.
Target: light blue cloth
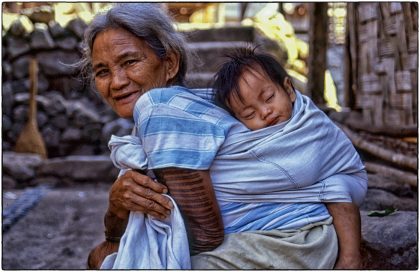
[(150, 243), (306, 159)]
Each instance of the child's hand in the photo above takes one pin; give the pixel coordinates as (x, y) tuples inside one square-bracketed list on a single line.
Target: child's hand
[(349, 261)]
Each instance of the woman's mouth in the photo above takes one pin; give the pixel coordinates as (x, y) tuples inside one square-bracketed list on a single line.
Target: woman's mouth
[(126, 98)]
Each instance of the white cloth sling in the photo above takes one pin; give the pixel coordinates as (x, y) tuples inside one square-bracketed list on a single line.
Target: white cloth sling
[(150, 243)]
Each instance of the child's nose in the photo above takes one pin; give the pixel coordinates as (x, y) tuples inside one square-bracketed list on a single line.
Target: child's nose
[(266, 111)]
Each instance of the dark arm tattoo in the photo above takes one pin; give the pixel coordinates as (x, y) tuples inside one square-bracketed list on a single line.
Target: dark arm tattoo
[(194, 195)]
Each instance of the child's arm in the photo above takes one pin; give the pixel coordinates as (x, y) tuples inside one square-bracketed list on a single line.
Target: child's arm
[(346, 220)]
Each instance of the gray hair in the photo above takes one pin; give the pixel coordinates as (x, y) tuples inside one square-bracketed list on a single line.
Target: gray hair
[(149, 22)]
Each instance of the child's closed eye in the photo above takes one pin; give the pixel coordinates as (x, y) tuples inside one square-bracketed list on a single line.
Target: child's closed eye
[(248, 115), (270, 98)]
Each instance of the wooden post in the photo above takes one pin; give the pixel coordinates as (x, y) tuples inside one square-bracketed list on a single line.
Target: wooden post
[(350, 60), (317, 59)]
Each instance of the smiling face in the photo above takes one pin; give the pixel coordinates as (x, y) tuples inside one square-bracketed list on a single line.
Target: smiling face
[(264, 103), (125, 67)]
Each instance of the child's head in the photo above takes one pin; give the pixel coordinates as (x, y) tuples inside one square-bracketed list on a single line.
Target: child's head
[(254, 88)]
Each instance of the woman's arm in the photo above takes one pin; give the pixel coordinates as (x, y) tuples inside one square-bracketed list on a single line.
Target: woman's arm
[(194, 195)]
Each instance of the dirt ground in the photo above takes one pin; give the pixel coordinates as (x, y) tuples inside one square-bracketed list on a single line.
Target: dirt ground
[(59, 231)]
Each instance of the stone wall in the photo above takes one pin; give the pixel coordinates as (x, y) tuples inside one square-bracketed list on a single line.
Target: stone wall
[(72, 118)]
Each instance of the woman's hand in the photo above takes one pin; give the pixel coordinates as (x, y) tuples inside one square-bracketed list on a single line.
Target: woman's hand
[(136, 192)]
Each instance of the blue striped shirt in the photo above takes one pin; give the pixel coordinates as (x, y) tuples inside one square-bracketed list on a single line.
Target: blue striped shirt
[(177, 128)]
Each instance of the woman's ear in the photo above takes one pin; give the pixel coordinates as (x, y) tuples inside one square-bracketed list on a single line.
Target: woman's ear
[(172, 65), (288, 86)]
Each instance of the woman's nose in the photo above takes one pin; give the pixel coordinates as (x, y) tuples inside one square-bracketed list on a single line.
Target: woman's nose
[(119, 79)]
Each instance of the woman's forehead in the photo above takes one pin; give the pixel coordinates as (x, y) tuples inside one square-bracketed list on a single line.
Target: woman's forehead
[(117, 43), (116, 36)]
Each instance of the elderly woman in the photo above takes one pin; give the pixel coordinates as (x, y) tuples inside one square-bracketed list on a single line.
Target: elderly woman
[(138, 63)]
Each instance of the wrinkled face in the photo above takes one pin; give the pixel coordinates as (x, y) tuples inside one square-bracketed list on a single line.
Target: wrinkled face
[(125, 67), (264, 102)]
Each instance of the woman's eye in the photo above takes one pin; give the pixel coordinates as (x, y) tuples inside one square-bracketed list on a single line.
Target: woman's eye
[(129, 62), (101, 73)]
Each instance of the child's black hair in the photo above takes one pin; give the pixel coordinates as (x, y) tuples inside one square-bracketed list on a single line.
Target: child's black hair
[(226, 80)]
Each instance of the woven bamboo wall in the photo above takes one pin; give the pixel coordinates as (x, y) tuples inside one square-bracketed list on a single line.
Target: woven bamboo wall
[(383, 46)]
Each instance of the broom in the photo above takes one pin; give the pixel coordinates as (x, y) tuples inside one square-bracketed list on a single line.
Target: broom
[(30, 139)]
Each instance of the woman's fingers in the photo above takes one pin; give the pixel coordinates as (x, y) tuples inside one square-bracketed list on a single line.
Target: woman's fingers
[(152, 190), (137, 192), (147, 182), (148, 206)]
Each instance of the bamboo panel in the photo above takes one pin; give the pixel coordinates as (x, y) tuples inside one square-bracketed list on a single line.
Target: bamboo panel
[(403, 81), (401, 101), (413, 43), (369, 83), (384, 54), (367, 12), (395, 7), (395, 117)]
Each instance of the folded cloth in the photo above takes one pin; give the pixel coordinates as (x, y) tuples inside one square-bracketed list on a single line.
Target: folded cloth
[(127, 152), (310, 247), (150, 243)]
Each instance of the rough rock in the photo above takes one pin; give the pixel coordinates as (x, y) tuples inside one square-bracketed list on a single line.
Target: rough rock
[(7, 67), (71, 134), (390, 242), (59, 121), (54, 63), (41, 38), (51, 136), (21, 166), (119, 127), (6, 123), (7, 98), (78, 27), (58, 103), (21, 67), (17, 46), (80, 168), (17, 29), (391, 185), (8, 183), (40, 14), (67, 43), (41, 118), (68, 86), (82, 113), (56, 30), (377, 199)]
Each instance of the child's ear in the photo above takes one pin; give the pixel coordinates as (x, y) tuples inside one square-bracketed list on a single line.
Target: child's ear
[(172, 65), (288, 86)]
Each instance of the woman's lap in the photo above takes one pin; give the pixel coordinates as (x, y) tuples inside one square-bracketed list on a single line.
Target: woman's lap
[(312, 247)]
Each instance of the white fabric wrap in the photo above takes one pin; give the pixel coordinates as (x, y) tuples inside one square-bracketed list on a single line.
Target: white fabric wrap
[(150, 243)]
